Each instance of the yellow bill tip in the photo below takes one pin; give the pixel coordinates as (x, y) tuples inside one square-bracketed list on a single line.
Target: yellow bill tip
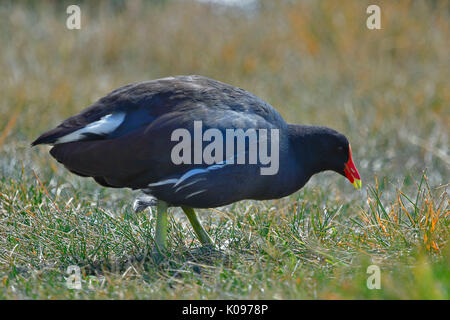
[(357, 184)]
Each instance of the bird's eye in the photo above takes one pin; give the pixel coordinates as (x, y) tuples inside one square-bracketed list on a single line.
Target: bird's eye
[(340, 148)]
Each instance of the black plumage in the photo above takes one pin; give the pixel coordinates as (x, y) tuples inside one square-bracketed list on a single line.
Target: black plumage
[(124, 140)]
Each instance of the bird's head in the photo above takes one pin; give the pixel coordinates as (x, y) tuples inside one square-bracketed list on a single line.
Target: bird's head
[(330, 150)]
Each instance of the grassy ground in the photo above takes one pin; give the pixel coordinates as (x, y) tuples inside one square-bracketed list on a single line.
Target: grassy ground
[(317, 63)]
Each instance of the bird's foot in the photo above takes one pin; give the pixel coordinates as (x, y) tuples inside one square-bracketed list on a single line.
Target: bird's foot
[(144, 201), (159, 255)]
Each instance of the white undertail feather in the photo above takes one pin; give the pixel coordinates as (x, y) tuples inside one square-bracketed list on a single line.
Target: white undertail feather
[(105, 125)]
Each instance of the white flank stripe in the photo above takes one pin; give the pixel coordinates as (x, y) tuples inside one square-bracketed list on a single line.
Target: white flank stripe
[(105, 125), (189, 184), (160, 183), (195, 193), (189, 174)]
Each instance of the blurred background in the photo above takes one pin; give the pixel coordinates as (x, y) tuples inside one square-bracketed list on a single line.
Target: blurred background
[(314, 61)]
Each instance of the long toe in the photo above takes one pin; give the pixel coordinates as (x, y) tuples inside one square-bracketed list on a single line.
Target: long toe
[(142, 202)]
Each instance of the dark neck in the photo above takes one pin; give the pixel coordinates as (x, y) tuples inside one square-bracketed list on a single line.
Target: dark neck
[(300, 158), (304, 148), (294, 169)]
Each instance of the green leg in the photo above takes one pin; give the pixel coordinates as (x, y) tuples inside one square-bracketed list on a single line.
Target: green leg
[(161, 227), (199, 231)]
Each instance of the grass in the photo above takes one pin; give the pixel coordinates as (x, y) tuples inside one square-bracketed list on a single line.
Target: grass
[(317, 63)]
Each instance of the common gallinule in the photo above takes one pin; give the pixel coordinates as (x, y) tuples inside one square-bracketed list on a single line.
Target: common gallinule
[(195, 142)]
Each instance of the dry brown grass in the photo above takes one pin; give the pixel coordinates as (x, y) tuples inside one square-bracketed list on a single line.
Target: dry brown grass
[(316, 62)]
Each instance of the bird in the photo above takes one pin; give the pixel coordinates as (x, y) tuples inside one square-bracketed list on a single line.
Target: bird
[(194, 142)]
